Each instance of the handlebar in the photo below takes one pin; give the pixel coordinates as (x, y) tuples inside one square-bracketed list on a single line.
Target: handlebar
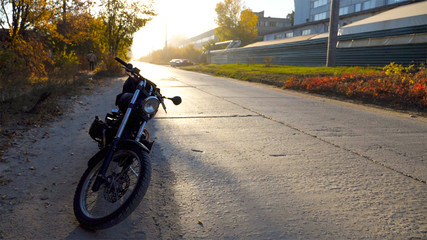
[(121, 61), (128, 67), (135, 72)]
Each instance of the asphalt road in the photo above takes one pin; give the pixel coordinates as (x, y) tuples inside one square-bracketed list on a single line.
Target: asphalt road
[(235, 160), (253, 162)]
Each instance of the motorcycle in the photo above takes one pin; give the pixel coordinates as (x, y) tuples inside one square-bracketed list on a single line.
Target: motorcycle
[(118, 176)]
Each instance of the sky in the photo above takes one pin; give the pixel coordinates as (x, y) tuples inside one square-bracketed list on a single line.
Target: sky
[(191, 18)]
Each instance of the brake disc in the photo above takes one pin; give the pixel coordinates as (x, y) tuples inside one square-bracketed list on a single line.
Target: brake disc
[(117, 188)]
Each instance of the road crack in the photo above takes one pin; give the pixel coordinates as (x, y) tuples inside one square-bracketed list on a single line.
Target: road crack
[(209, 117), (317, 137)]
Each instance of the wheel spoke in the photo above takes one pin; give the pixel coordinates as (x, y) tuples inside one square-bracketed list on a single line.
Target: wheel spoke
[(108, 199), (136, 174), (122, 179)]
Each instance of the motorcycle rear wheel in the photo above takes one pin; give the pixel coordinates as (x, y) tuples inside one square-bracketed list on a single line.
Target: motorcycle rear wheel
[(128, 178)]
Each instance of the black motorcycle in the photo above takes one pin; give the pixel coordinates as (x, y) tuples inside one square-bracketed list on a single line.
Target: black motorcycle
[(118, 175)]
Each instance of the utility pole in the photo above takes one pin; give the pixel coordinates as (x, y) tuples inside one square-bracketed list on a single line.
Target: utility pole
[(333, 32), (166, 38)]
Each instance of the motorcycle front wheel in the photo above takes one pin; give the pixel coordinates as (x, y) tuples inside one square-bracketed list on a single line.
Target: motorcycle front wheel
[(127, 180)]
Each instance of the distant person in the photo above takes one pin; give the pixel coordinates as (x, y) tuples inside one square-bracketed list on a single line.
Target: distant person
[(91, 57)]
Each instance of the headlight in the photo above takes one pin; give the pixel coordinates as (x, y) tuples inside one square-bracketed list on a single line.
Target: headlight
[(150, 105)]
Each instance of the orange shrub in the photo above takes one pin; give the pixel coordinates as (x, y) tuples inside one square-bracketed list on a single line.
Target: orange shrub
[(396, 85)]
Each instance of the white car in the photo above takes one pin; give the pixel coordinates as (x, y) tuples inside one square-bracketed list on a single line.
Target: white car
[(175, 62), (180, 62)]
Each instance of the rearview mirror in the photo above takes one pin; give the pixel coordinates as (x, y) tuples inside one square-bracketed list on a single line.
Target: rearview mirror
[(176, 100)]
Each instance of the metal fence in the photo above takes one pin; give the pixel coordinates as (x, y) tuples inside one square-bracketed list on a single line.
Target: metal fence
[(313, 52)]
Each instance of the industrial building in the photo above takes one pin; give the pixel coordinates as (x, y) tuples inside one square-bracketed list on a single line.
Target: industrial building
[(398, 35), (312, 16)]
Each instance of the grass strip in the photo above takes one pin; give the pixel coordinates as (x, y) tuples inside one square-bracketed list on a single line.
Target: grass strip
[(393, 86)]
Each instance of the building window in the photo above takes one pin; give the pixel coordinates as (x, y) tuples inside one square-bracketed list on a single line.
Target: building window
[(343, 11), (279, 24), (289, 34), (319, 3), (358, 7), (394, 1), (368, 4), (278, 36), (320, 16), (306, 32), (269, 37)]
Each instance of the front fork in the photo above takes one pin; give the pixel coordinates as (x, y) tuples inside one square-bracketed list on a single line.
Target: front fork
[(100, 178)]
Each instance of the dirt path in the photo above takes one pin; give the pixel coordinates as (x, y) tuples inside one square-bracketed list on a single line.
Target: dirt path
[(40, 172)]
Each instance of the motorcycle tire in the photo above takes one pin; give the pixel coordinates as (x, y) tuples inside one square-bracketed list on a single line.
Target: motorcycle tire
[(129, 166)]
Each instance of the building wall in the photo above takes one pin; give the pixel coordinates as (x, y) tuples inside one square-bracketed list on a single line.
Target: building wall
[(316, 10), (366, 49), (266, 25), (312, 16), (302, 11), (200, 40)]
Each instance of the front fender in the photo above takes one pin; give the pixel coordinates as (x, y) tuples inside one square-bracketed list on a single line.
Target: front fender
[(135, 144), (101, 154)]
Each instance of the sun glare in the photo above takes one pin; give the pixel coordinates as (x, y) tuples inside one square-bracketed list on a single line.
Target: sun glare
[(190, 18), (186, 17)]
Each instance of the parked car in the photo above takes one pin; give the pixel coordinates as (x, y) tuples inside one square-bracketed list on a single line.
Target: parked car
[(174, 62), (180, 62)]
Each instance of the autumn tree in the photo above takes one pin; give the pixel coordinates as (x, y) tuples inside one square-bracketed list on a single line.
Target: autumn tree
[(74, 22), (44, 40), (122, 19), (20, 15), (227, 19), (246, 28), (78, 33), (24, 54), (209, 46), (235, 22)]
